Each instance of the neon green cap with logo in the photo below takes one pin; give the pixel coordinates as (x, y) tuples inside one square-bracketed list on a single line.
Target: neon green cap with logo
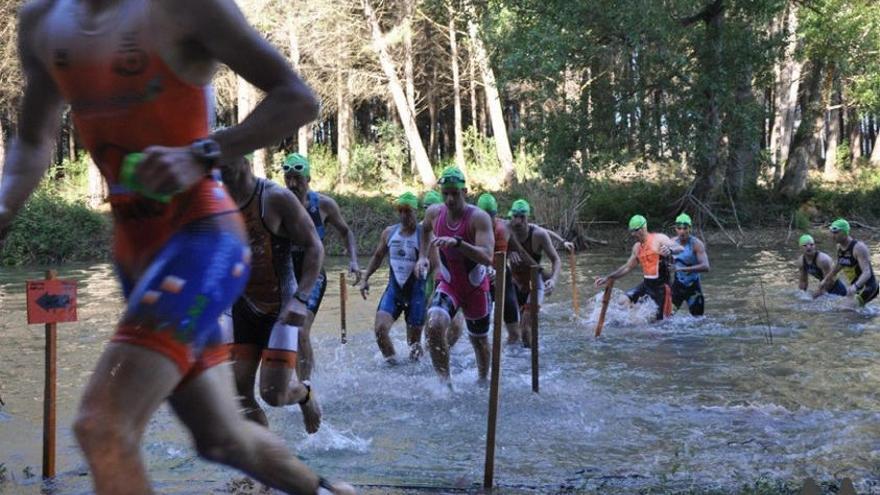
[(408, 199), (637, 222), (683, 219), (487, 203), (452, 177), (432, 198), (840, 225), (296, 163), (806, 239), (520, 207)]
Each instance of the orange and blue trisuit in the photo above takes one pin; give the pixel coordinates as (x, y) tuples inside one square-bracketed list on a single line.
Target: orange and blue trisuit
[(181, 263), (656, 279)]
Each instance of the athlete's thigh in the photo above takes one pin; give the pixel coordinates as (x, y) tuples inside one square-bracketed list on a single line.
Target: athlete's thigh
[(207, 405), (245, 360), (129, 382)]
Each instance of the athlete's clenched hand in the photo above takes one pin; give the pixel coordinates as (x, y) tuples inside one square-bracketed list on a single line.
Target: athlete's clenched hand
[(165, 170)]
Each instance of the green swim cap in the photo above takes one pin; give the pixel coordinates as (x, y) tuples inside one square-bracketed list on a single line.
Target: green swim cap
[(841, 225), (296, 163), (408, 199), (520, 207), (452, 176), (806, 239), (487, 203), (683, 219), (432, 198), (637, 222)]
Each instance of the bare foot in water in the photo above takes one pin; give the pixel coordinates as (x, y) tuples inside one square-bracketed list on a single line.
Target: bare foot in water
[(339, 488), (311, 410)]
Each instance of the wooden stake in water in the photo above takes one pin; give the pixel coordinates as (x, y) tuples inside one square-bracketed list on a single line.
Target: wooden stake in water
[(343, 298), (606, 298), (500, 269), (572, 263), (536, 279), (49, 395)]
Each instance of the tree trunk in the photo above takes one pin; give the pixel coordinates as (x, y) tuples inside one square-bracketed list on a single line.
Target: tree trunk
[(247, 100), (408, 76), (830, 169), (788, 75), (854, 124), (708, 150), (302, 134), (71, 138), (96, 187), (473, 88), (344, 123), (875, 153), (432, 114), (493, 104), (794, 181), (2, 149), (423, 164), (456, 89), (742, 170)]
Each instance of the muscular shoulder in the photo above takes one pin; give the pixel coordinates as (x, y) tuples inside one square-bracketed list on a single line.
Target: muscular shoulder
[(480, 219), (327, 204), (277, 196), (432, 212)]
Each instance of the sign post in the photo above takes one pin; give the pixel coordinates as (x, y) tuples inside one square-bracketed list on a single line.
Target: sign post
[(343, 297), (500, 274), (536, 280), (50, 301)]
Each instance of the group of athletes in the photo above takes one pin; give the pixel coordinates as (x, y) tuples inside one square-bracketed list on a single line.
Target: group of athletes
[(196, 233)]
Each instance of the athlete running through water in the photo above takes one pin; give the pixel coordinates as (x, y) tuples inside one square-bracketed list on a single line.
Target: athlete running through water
[(466, 243), (815, 263), (135, 74), (324, 211), (405, 291), (688, 265), (457, 328), (854, 260), (532, 243), (650, 251), (487, 203), (267, 317)]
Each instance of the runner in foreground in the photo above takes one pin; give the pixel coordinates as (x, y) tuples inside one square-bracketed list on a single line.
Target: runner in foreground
[(135, 74)]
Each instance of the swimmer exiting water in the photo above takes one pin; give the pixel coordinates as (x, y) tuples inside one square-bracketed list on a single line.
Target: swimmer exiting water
[(854, 261), (651, 251), (817, 264), (688, 265)]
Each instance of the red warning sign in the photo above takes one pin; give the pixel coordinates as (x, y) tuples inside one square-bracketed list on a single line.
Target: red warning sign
[(51, 301)]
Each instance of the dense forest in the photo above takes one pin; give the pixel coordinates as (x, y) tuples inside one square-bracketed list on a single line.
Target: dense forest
[(725, 96)]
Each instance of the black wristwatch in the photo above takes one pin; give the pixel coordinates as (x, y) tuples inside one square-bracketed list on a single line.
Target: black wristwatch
[(303, 298), (206, 151), (457, 241)]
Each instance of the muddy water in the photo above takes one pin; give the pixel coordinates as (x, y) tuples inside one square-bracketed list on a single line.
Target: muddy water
[(690, 404)]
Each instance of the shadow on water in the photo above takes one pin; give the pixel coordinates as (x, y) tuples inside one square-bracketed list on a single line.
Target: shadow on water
[(692, 404)]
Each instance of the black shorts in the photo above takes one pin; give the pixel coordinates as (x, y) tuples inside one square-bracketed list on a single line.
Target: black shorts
[(658, 291), (511, 306), (692, 294), (250, 326)]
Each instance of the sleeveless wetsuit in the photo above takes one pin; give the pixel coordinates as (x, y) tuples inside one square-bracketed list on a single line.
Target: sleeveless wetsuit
[(686, 287), (317, 294), (852, 271), (181, 263), (406, 290), (462, 283), (522, 273), (270, 288), (656, 279), (838, 289)]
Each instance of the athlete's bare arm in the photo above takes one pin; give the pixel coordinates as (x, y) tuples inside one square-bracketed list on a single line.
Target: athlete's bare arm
[(831, 276), (627, 267), (803, 276), (424, 264), (295, 224), (863, 256), (30, 152), (192, 28), (334, 217), (483, 248), (546, 245), (666, 246), (375, 261), (558, 238), (702, 265)]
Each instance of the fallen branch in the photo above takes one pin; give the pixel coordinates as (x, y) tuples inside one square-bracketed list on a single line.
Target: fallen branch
[(708, 211)]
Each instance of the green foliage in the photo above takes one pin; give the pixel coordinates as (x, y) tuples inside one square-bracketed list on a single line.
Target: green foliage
[(53, 229), (367, 216), (610, 200)]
